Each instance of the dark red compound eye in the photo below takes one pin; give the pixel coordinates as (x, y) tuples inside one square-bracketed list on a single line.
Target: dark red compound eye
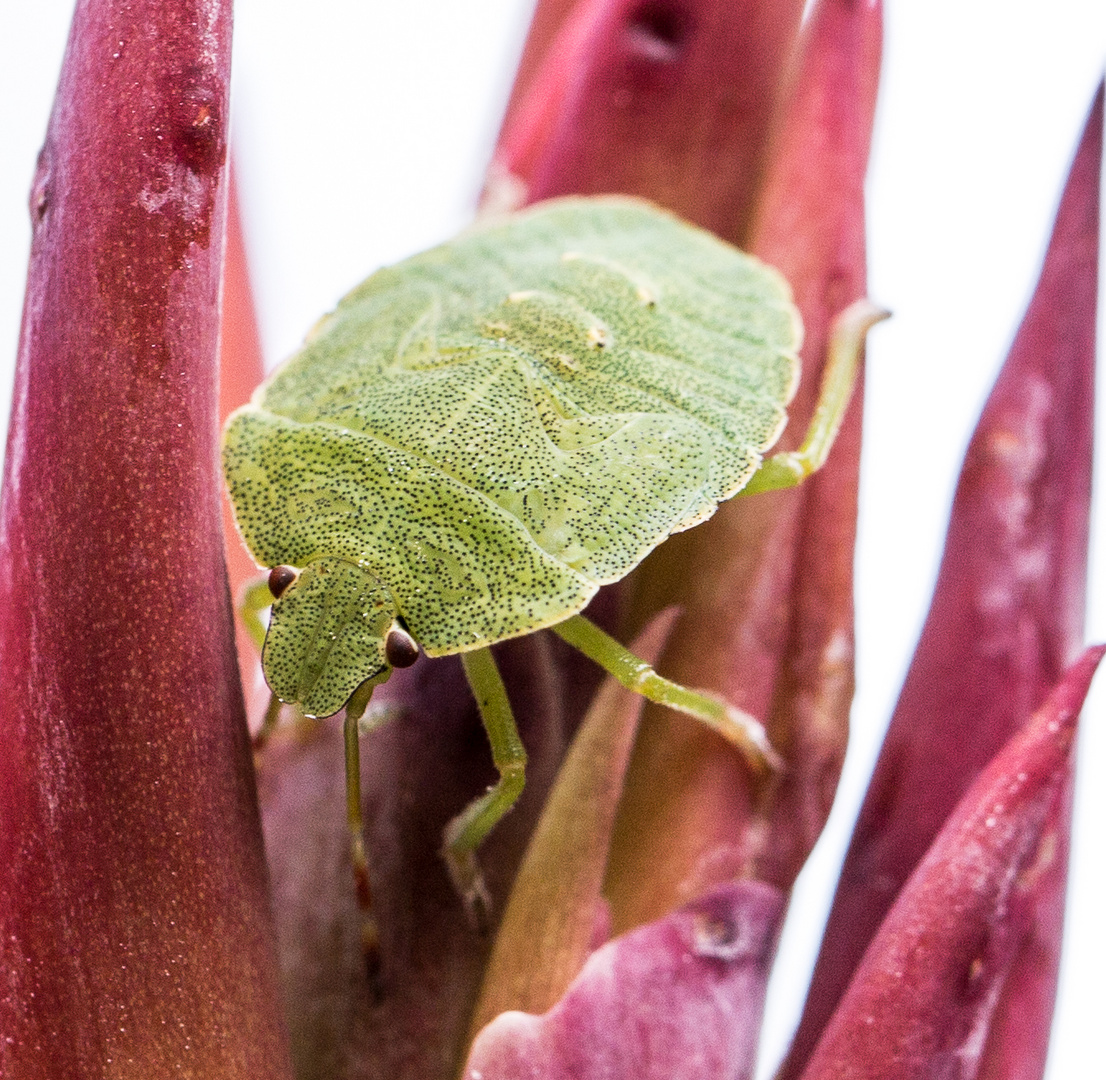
[(400, 649), (280, 577)]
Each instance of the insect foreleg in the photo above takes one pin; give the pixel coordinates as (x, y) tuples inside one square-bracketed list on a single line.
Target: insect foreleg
[(846, 342), (256, 597), (370, 937), (740, 728), (465, 833)]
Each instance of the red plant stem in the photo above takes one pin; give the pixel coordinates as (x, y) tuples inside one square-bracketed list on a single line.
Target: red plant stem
[(818, 242), (1006, 616), (767, 616), (922, 998), (134, 927), (241, 365), (670, 101), (548, 17)]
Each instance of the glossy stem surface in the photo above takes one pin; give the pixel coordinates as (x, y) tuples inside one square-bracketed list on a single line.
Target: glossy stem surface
[(135, 936)]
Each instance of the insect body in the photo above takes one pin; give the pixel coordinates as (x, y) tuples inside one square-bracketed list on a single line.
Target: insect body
[(479, 438)]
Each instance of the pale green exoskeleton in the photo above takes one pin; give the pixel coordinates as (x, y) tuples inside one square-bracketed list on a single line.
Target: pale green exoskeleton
[(477, 439)]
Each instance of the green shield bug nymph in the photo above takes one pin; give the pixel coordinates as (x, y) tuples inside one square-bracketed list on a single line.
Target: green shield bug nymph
[(477, 439)]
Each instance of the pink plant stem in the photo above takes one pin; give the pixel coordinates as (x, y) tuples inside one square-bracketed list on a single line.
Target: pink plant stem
[(767, 612), (922, 998), (1006, 616), (818, 242), (670, 101), (135, 935), (548, 17), (681, 997)]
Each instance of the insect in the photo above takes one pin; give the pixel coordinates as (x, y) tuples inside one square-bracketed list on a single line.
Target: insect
[(478, 438)]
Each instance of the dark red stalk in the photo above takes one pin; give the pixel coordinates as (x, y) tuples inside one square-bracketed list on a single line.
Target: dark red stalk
[(923, 996), (134, 928), (767, 610), (664, 99), (1006, 616), (548, 17)]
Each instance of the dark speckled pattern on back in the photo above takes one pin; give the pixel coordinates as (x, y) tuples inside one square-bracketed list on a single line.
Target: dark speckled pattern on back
[(496, 427)]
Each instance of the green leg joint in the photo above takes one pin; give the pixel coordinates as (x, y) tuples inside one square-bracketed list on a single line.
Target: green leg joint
[(846, 343), (741, 729), (466, 832)]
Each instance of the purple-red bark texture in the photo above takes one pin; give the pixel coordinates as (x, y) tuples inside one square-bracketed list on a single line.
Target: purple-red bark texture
[(922, 1003), (1007, 615), (135, 936)]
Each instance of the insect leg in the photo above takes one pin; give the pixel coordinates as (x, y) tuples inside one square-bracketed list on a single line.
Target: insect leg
[(465, 833), (370, 936), (846, 342), (256, 597), (268, 724), (740, 728)]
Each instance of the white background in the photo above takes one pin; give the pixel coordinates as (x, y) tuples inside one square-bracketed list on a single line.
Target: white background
[(362, 131)]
